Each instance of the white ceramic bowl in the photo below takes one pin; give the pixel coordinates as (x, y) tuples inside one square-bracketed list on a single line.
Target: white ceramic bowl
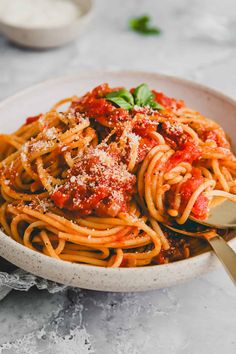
[(13, 112), (49, 37)]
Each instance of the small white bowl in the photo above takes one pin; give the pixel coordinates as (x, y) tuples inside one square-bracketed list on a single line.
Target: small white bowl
[(48, 37)]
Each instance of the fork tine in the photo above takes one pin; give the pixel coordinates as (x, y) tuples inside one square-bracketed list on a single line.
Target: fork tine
[(188, 233)]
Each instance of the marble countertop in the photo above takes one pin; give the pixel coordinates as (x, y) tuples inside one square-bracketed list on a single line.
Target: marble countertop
[(198, 42)]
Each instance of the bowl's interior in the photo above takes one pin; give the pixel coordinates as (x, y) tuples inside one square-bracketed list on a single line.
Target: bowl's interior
[(40, 98)]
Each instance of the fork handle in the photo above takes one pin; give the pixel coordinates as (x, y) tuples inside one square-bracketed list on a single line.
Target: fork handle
[(225, 254)]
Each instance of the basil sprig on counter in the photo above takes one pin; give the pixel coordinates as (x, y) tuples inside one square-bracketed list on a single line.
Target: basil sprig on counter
[(141, 97), (142, 25)]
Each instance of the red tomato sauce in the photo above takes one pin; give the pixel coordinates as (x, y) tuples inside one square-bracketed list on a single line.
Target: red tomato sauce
[(189, 152), (166, 101), (145, 145), (144, 126), (96, 187), (32, 119), (200, 207), (96, 106)]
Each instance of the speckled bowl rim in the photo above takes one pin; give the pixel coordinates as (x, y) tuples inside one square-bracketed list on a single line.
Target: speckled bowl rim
[(202, 259)]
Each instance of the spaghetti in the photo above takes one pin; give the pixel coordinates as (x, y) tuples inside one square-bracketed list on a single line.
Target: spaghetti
[(94, 182)]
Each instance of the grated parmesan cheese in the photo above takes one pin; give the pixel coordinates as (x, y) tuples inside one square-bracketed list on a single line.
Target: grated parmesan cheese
[(51, 133), (174, 128), (73, 179), (41, 145)]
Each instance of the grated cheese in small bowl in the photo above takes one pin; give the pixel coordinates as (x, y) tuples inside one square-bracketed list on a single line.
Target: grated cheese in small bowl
[(39, 13), (43, 23)]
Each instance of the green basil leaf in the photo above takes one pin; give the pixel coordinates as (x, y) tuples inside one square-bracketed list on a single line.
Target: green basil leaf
[(142, 25), (142, 95), (156, 105), (125, 94), (151, 30), (120, 102), (136, 23)]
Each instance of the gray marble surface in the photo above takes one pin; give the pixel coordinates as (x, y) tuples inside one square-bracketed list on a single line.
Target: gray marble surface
[(199, 43)]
